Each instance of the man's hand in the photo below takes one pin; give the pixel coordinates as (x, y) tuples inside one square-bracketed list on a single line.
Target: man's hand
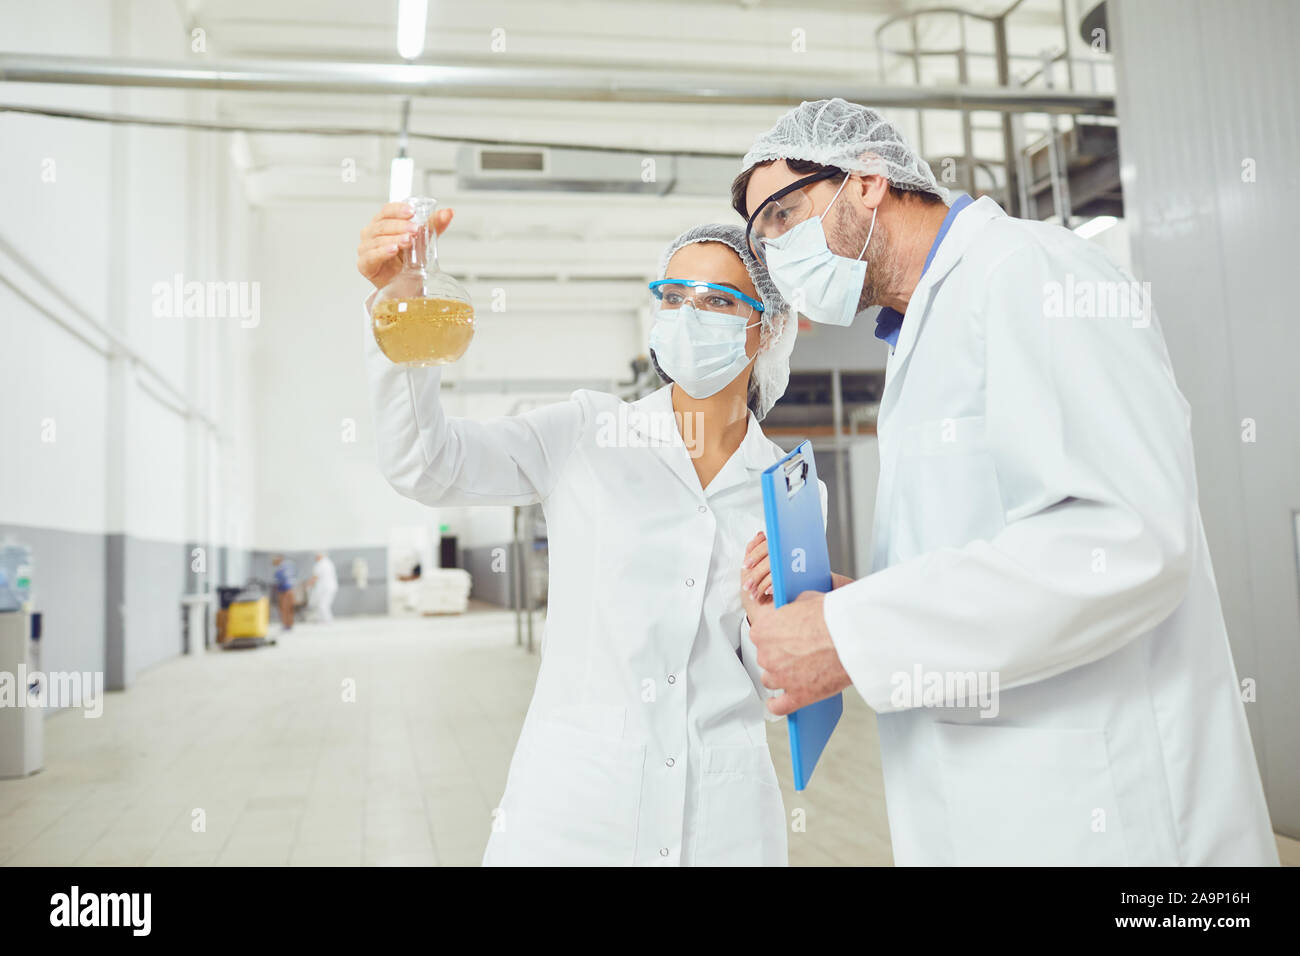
[(795, 652), (379, 255)]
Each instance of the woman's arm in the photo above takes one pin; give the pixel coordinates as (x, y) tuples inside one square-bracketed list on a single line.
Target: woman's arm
[(436, 460), (429, 457)]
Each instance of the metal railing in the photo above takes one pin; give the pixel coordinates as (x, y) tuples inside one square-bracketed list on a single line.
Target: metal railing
[(1013, 187)]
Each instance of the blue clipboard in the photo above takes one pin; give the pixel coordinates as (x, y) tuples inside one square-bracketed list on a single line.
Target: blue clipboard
[(800, 561)]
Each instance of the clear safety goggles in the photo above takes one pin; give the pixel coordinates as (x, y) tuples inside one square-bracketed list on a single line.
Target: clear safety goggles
[(704, 296), (782, 211)]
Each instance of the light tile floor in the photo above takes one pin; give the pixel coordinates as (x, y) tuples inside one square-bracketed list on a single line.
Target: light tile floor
[(373, 741)]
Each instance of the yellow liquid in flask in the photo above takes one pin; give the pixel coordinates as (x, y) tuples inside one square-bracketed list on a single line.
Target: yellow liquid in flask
[(425, 331)]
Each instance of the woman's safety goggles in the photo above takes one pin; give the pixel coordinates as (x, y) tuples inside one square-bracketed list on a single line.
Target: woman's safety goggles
[(704, 296), (782, 211)]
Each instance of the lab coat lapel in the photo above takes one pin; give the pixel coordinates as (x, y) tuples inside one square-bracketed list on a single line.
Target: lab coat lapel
[(755, 454), (653, 419), (965, 229)]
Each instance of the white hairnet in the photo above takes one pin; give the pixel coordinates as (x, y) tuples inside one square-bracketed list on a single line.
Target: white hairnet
[(854, 138), (777, 327)]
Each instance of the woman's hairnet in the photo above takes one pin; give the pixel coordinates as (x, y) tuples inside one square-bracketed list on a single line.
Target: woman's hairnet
[(778, 324), (854, 138)]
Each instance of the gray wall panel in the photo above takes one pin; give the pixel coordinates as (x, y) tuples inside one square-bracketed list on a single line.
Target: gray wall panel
[(494, 587), (156, 573), (116, 674), (1206, 91), (351, 600), (69, 593)]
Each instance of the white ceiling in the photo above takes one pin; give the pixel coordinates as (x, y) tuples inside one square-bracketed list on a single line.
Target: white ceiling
[(499, 232)]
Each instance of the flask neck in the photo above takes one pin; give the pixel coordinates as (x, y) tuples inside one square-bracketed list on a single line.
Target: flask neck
[(422, 254)]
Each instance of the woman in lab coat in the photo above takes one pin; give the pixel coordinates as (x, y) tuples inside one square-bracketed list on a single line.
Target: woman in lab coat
[(645, 740)]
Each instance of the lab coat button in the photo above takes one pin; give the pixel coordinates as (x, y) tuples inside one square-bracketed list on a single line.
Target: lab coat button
[(703, 509), (672, 678), (690, 582), (669, 762), (663, 851)]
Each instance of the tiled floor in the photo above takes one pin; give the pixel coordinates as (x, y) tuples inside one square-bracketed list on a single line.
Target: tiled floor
[(370, 742)]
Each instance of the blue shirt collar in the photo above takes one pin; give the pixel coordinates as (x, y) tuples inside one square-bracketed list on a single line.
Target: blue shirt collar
[(890, 321)]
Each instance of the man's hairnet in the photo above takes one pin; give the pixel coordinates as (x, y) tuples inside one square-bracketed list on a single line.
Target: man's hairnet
[(778, 324), (854, 138)]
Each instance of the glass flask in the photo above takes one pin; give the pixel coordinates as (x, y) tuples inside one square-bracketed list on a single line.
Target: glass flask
[(424, 316)]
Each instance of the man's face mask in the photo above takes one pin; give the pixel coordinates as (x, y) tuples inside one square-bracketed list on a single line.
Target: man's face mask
[(826, 286)]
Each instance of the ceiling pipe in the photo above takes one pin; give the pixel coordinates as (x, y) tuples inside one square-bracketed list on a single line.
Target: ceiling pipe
[(534, 82)]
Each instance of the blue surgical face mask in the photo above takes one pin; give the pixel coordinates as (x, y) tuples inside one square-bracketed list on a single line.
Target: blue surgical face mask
[(823, 286), (701, 351)]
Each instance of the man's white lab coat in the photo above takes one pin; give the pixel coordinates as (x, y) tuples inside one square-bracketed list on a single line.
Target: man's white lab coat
[(1037, 522)]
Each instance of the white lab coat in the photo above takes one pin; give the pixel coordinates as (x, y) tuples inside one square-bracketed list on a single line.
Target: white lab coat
[(325, 589), (1037, 518), (645, 740)]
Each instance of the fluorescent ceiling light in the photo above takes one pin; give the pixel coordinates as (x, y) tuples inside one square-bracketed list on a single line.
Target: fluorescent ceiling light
[(412, 16), (1094, 226), (401, 177)]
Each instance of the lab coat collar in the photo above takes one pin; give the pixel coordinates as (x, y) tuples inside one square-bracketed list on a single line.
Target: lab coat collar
[(754, 455), (961, 233), (760, 454), (653, 418)]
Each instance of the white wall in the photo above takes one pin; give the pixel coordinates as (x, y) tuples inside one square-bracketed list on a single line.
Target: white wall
[(118, 217), (61, 229), (316, 489), (97, 442), (1204, 87)]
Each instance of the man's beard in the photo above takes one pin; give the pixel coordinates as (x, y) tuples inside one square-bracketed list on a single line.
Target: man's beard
[(848, 235)]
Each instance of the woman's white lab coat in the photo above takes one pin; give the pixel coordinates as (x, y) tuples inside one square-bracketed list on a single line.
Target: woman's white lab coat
[(645, 740), (1037, 520)]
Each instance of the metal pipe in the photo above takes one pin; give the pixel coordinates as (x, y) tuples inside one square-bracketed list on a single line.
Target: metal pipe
[(516, 575), (1011, 166), (403, 132), (1057, 160), (117, 345), (1028, 205), (536, 82), (916, 80), (841, 471), (530, 536), (515, 386), (967, 135), (1065, 29)]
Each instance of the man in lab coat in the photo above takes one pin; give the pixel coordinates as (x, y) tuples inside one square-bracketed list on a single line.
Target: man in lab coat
[(1041, 634)]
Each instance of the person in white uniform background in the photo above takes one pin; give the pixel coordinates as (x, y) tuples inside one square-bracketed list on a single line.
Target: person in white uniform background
[(324, 586), (645, 739), (1036, 527)]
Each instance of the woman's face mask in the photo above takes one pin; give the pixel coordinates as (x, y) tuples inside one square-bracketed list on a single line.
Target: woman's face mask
[(702, 351)]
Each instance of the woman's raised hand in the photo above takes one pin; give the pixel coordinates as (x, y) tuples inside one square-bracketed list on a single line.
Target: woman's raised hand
[(379, 255)]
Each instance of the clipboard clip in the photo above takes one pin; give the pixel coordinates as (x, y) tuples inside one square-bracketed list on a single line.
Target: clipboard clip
[(796, 474)]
